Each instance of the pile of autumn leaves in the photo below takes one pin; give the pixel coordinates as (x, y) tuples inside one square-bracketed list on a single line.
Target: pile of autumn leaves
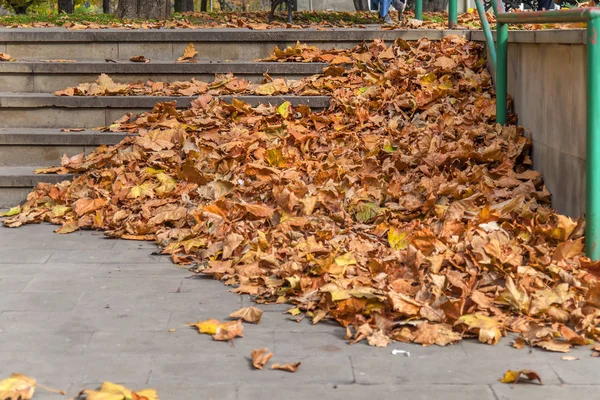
[(402, 211)]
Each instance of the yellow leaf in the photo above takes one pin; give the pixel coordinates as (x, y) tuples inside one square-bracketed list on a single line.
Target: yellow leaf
[(208, 326), (59, 210), (17, 387), (489, 329), (284, 109), (397, 239), (275, 157), (514, 376), (11, 212)]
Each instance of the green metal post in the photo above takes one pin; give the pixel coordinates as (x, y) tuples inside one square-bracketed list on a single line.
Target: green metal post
[(485, 26), (419, 10), (592, 234), (452, 13), (501, 72)]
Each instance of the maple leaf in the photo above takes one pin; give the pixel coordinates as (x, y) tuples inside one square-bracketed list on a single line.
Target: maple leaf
[(248, 314), (221, 331), (293, 367), (260, 357)]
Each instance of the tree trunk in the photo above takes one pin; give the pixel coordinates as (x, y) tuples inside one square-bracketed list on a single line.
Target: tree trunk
[(204, 6), (184, 5), (66, 6), (144, 9), (361, 5), (21, 9), (106, 6)]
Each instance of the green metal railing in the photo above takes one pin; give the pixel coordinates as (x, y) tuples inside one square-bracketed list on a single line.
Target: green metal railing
[(452, 12), (590, 16)]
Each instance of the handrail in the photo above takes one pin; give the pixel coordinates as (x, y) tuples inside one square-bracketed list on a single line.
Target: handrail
[(487, 31), (591, 16)]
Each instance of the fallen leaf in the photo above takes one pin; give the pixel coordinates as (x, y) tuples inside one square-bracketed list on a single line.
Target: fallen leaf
[(518, 343), (287, 367), (222, 331), (379, 339), (188, 54), (139, 59), (5, 57), (489, 329), (260, 357), (21, 387), (517, 376), (248, 314), (113, 391)]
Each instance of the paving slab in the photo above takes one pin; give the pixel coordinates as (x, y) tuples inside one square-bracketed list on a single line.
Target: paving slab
[(355, 391), (73, 314)]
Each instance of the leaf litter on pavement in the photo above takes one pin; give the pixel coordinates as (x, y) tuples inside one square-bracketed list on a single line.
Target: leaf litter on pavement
[(403, 212), (21, 387)]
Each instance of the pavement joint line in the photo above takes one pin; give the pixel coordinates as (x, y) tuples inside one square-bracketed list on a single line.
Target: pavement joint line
[(491, 388)]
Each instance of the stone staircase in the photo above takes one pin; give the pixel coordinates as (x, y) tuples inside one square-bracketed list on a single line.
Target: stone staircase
[(31, 116)]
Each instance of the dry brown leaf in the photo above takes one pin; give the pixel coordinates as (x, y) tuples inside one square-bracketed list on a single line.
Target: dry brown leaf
[(188, 54), (5, 57), (260, 357), (248, 314), (287, 367), (139, 59), (569, 358)]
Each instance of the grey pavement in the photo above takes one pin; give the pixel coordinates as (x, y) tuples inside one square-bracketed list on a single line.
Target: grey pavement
[(79, 309)]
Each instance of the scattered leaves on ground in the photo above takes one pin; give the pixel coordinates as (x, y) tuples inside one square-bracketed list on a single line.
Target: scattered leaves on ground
[(248, 314), (287, 367), (402, 211), (524, 375), (113, 391), (260, 357)]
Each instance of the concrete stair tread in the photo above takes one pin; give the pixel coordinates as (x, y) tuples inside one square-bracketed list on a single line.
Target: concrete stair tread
[(37, 100), (239, 67), (24, 177), (217, 34), (55, 137)]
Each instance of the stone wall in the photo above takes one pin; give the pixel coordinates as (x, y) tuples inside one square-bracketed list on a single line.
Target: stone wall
[(546, 77)]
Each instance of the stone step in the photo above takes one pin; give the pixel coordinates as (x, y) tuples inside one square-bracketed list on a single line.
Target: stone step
[(17, 182), (44, 110), (38, 76), (168, 44), (45, 147)]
